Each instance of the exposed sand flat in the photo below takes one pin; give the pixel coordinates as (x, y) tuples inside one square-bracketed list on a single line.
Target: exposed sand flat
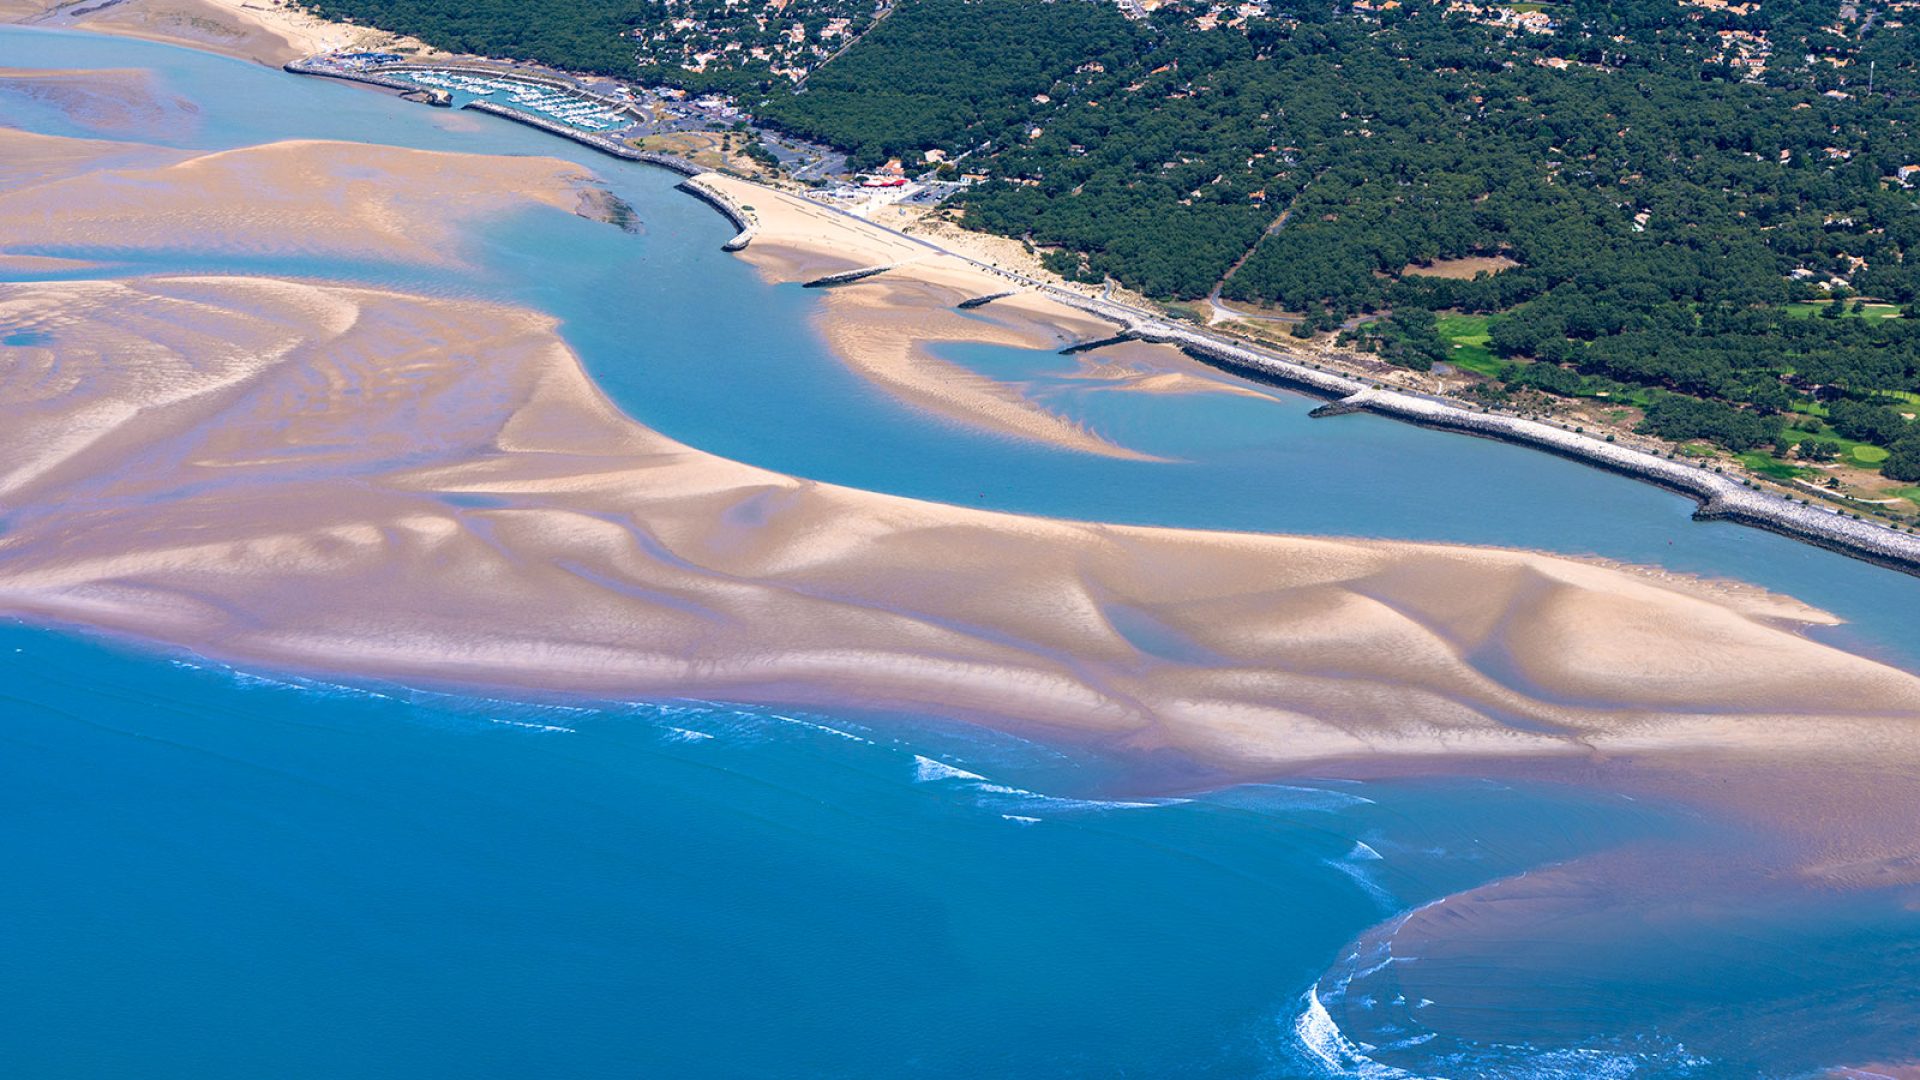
[(883, 327), (362, 481), (299, 197), (27, 158), (120, 102)]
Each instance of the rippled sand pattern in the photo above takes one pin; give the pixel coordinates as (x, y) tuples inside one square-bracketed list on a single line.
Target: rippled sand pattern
[(311, 199), (367, 481)]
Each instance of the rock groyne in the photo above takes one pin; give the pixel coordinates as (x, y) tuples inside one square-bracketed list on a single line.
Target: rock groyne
[(847, 277), (1097, 343), (983, 301)]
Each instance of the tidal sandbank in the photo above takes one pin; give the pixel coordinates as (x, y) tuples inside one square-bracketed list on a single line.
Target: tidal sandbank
[(365, 481), (308, 198), (370, 483)]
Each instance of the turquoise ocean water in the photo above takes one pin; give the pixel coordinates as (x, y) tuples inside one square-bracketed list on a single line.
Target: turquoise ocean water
[(210, 873)]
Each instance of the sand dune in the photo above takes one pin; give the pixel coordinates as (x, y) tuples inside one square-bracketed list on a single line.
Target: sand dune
[(370, 482)]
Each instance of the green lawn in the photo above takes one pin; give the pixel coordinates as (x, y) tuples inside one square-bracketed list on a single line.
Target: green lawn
[(1874, 311), (1911, 494), (1468, 335), (1768, 465), (1851, 451)]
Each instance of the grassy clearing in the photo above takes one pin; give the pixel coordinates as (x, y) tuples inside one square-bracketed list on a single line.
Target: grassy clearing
[(1770, 466), (1874, 312), (1911, 494), (1851, 451), (1468, 336)]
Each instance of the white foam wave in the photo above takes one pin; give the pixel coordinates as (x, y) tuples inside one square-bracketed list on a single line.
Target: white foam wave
[(1289, 797), (926, 770), (532, 726), (1358, 872), (1331, 1049), (822, 728), (1020, 819), (1061, 802), (680, 734), (994, 796)]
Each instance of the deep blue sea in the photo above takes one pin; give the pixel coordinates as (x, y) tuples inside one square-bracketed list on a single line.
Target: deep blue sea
[(217, 874)]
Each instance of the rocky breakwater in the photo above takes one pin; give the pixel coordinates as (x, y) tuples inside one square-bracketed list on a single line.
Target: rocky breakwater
[(554, 127), (1259, 363), (312, 66), (741, 216)]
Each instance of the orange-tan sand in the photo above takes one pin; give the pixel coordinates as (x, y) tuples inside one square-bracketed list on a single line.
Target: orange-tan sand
[(27, 158), (364, 481)]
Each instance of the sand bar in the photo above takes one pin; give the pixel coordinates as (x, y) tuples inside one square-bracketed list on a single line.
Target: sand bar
[(334, 478), (345, 200), (370, 483)]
